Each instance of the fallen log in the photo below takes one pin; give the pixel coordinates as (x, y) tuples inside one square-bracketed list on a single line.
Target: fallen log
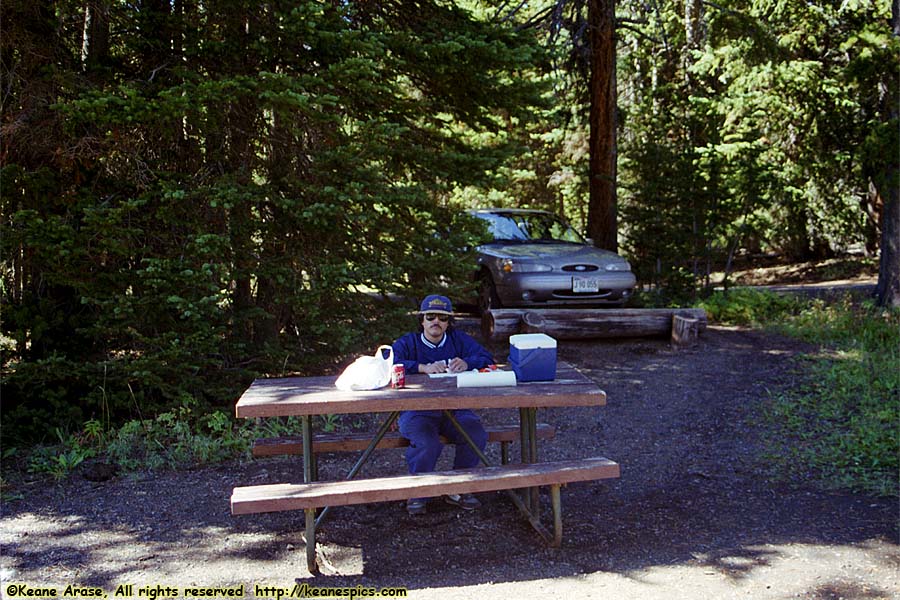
[(579, 324), (500, 323)]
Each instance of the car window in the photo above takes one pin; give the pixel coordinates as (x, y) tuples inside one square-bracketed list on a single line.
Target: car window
[(503, 227), (529, 226)]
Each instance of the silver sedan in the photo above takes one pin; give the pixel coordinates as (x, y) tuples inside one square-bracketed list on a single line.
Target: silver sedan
[(536, 259)]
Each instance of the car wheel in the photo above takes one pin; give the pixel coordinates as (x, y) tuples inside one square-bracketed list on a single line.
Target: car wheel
[(487, 295)]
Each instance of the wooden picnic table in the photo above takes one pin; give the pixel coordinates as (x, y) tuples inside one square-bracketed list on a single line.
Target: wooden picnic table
[(299, 396), (305, 397)]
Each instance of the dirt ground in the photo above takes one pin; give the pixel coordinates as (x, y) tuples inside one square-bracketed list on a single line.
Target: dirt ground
[(695, 514)]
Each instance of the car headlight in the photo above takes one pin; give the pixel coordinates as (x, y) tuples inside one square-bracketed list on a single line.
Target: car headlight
[(511, 266), (618, 266)]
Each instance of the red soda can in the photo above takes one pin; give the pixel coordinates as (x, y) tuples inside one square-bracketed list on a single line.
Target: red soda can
[(398, 376)]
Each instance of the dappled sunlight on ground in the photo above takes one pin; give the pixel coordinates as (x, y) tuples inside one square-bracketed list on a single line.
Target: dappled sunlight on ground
[(696, 513), (867, 571), (57, 550), (218, 557), (834, 271)]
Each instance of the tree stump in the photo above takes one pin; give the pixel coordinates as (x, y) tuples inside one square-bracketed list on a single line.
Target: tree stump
[(684, 331)]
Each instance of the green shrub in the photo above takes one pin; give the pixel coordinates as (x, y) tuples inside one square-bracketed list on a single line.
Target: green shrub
[(312, 190), (842, 421), (846, 418), (747, 306), (177, 439), (61, 459)]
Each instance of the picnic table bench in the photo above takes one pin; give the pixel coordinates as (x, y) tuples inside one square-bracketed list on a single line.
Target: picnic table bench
[(358, 441), (309, 396)]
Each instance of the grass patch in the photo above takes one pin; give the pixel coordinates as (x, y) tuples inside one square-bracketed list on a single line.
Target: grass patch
[(842, 422)]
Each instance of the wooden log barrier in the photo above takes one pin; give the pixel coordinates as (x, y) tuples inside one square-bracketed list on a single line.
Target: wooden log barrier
[(684, 331), (580, 324)]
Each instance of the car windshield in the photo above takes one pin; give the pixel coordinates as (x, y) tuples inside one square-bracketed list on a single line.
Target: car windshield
[(526, 226)]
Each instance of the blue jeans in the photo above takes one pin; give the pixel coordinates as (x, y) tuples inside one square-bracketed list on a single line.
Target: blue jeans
[(423, 427)]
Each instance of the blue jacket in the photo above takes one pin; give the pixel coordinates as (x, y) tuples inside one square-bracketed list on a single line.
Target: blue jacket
[(413, 349)]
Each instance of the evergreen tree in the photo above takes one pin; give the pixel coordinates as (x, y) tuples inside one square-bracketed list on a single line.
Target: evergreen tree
[(762, 108), (196, 194)]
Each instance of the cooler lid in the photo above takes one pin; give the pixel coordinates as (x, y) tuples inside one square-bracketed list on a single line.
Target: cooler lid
[(527, 341)]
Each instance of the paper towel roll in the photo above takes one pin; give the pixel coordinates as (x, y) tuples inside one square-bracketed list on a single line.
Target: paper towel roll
[(490, 379)]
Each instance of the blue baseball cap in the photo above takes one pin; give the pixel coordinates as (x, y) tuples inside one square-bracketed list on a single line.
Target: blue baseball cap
[(436, 304)]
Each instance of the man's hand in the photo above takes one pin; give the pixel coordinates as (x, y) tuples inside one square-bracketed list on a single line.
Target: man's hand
[(458, 365), (435, 367), (455, 365)]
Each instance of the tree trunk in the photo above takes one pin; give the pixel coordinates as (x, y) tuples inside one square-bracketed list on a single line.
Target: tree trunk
[(95, 38), (888, 289), (694, 27), (887, 181), (602, 222)]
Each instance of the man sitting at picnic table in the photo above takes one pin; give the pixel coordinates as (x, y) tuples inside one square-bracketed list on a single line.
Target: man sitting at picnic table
[(438, 348)]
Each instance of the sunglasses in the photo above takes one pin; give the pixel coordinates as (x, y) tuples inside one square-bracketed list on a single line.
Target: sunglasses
[(441, 318)]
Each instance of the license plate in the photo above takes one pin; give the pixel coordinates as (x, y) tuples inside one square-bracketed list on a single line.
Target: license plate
[(585, 284)]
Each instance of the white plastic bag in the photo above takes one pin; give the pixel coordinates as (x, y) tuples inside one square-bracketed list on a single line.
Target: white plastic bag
[(367, 372)]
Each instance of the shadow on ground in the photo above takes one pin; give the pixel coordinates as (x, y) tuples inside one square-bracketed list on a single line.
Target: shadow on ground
[(696, 503)]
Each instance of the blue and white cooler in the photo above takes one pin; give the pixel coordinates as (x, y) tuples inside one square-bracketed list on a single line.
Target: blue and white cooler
[(533, 356)]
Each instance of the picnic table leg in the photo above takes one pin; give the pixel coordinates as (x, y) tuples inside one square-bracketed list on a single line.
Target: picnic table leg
[(532, 518), (524, 444), (308, 468), (528, 435), (309, 477), (311, 563), (556, 501), (382, 431), (523, 435), (467, 438), (533, 458)]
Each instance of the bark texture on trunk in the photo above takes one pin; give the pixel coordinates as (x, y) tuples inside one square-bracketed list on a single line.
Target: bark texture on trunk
[(888, 288), (887, 182), (602, 220)]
